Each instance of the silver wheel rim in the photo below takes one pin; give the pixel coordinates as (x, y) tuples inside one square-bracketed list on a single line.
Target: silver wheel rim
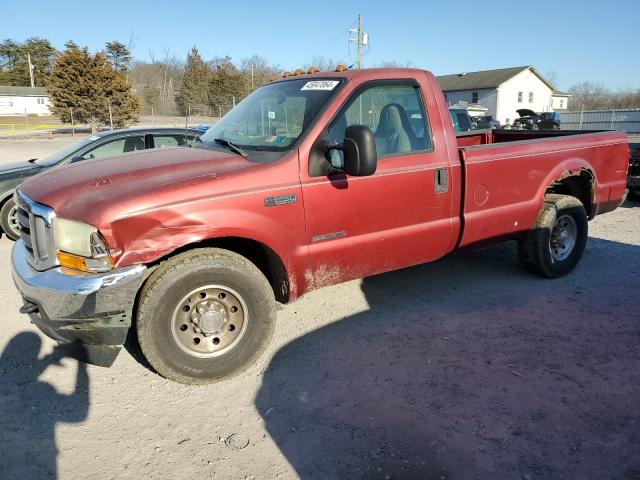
[(13, 220), (209, 321), (563, 237)]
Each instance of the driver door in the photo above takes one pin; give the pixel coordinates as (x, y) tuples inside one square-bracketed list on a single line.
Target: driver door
[(400, 215)]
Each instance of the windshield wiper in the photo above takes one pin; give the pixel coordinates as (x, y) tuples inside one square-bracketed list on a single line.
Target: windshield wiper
[(231, 146)]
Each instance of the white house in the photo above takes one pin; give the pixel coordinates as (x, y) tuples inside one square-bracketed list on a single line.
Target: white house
[(560, 101), (503, 91), (24, 100)]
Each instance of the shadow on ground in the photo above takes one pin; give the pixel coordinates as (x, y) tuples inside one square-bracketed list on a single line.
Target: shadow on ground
[(30, 409), (469, 368)]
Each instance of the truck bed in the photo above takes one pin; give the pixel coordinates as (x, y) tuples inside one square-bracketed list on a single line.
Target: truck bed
[(505, 201)]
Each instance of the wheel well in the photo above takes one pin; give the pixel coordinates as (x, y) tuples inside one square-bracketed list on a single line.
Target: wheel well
[(2, 202), (263, 257), (5, 199), (581, 186)]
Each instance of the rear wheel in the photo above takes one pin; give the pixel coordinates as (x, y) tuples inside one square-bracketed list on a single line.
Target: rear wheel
[(556, 243), (9, 219), (205, 315)]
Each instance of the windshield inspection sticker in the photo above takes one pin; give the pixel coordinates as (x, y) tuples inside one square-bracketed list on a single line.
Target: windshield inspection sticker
[(320, 85)]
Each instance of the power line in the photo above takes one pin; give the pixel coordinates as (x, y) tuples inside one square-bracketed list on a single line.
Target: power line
[(335, 39)]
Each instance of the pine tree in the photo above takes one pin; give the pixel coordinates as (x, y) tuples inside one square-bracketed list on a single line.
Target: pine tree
[(195, 82), (226, 83), (14, 67), (89, 84), (118, 55)]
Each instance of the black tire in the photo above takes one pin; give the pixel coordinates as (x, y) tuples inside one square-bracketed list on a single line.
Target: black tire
[(633, 195), (535, 250), (161, 298), (5, 222)]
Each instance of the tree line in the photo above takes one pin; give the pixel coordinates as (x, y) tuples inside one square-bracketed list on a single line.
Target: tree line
[(595, 96), (111, 87)]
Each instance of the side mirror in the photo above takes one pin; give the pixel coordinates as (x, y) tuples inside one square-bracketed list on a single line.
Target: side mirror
[(359, 148)]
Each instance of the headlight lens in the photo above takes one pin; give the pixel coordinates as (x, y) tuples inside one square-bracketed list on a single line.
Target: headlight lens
[(80, 246)]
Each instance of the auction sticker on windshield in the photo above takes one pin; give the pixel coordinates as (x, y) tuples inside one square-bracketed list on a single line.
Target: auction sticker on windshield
[(320, 85)]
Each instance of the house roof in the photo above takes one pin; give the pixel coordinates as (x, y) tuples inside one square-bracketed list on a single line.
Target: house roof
[(23, 91), (483, 79), (558, 93)]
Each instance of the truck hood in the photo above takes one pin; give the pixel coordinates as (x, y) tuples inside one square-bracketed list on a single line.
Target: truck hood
[(525, 112), (105, 189)]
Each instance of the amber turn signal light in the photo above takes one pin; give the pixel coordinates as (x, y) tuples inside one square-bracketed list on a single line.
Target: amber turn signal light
[(91, 265)]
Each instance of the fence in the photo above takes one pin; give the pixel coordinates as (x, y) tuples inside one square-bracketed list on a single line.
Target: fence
[(622, 120)]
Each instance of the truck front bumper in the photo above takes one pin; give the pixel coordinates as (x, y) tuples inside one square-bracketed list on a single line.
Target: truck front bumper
[(91, 313)]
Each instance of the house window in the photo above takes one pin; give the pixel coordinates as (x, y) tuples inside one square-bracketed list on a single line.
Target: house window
[(40, 101), (561, 103), (530, 97), (519, 97), (474, 97)]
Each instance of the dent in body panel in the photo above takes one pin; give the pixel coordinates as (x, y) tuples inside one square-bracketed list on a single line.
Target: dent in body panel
[(150, 236)]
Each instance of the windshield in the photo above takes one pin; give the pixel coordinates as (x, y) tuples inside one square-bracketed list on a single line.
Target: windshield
[(60, 155), (269, 122)]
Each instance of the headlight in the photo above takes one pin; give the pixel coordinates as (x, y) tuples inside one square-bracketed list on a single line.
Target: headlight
[(80, 246)]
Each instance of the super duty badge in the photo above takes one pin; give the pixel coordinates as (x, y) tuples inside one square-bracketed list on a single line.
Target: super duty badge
[(278, 200)]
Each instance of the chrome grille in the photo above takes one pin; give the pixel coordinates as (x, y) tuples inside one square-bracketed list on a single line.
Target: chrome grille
[(36, 231)]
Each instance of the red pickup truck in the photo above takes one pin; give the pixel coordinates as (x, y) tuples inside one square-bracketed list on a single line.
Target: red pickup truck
[(312, 180)]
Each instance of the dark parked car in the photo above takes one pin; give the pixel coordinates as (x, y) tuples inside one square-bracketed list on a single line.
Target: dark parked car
[(530, 120), (486, 121), (103, 144), (461, 119), (633, 178)]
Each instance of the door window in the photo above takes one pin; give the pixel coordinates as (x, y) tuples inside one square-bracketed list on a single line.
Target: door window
[(116, 147), (172, 140), (395, 114)]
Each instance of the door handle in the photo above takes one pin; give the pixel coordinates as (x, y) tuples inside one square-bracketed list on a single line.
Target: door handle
[(441, 180)]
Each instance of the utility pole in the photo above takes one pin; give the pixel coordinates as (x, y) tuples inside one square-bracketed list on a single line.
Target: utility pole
[(110, 117), (30, 69), (361, 40)]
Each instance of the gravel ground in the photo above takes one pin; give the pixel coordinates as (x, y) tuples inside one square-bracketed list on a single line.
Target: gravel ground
[(461, 369)]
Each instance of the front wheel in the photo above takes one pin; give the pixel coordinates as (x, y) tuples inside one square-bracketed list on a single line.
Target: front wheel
[(556, 243), (9, 219), (205, 315)]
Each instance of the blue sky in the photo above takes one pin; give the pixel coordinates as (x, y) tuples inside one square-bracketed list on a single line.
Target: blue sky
[(578, 40)]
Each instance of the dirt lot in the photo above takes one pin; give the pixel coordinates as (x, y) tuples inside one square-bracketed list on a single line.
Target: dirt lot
[(462, 369)]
